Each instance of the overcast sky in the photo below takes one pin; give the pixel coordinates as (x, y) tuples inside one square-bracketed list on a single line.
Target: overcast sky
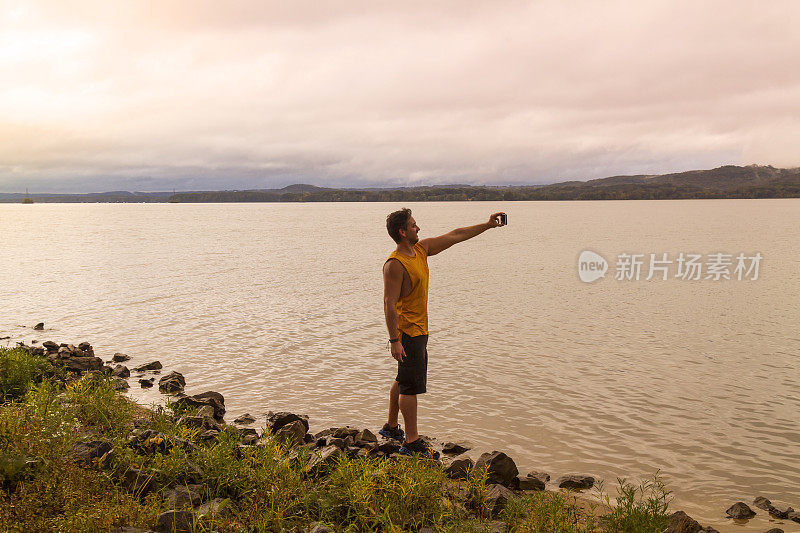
[(155, 95)]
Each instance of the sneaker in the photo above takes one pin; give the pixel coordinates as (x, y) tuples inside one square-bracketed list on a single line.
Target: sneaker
[(419, 446), (392, 432)]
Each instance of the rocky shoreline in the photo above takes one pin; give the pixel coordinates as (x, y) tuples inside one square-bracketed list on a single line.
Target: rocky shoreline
[(504, 482)]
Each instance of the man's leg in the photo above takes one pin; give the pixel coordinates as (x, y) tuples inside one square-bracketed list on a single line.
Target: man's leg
[(408, 406), (394, 405)]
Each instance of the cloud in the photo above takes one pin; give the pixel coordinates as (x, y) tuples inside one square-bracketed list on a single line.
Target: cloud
[(100, 96)]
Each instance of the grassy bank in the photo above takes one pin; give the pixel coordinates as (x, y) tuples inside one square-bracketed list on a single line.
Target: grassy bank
[(77, 456)]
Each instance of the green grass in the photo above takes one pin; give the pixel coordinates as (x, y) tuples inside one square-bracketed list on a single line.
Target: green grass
[(43, 489), (19, 369)]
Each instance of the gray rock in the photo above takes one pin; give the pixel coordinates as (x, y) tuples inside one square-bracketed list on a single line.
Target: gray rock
[(291, 433), (245, 419), (544, 477), (147, 383), (50, 346), (208, 435), (576, 482), (155, 365), (200, 422), (323, 459), (172, 382), (218, 507), (459, 468), (214, 399), (121, 371), (86, 453), (181, 497), (39, 326), (346, 431), (365, 436), (529, 483), (277, 420), (119, 358), (83, 364), (389, 447), (139, 482), (497, 496), (500, 467), (206, 411), (454, 448), (86, 347), (175, 522), (740, 511), (680, 522), (316, 527)]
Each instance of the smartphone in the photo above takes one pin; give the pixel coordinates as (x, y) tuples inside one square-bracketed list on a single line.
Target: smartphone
[(503, 219)]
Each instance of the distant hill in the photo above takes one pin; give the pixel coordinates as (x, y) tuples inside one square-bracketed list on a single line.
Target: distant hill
[(724, 182)]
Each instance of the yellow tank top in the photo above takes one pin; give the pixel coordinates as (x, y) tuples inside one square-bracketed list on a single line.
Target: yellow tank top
[(412, 310)]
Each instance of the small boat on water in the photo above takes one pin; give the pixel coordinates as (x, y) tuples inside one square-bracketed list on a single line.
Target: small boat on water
[(27, 199)]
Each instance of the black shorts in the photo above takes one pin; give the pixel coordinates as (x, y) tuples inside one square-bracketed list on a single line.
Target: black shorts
[(412, 372)]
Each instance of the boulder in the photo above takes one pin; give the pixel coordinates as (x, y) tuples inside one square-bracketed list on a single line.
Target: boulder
[(39, 326), (291, 433), (323, 459), (680, 522), (459, 468), (87, 452), (529, 482), (277, 420), (740, 511), (200, 422), (248, 435), (774, 530), (316, 527), (86, 347), (497, 496), (147, 383), (576, 482), (175, 522), (214, 399), (500, 467), (454, 448), (172, 382), (794, 517), (119, 358), (120, 384), (120, 371), (206, 411), (208, 435), (344, 432), (181, 497), (389, 447), (365, 436), (83, 364), (155, 365), (139, 482), (218, 507), (50, 346), (544, 477), (245, 419)]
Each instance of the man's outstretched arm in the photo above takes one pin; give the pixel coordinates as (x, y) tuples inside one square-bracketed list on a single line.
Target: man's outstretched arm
[(434, 245)]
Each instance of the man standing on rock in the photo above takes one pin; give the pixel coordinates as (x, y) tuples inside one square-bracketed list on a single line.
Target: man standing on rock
[(405, 305)]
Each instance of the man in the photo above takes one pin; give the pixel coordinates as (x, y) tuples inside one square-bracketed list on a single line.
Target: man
[(405, 305)]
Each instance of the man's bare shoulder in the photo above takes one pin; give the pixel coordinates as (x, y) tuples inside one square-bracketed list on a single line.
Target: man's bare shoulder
[(393, 268)]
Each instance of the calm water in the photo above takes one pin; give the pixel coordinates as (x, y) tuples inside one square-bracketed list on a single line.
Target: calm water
[(278, 306)]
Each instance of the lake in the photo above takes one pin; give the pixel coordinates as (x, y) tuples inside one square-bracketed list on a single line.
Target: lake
[(279, 307)]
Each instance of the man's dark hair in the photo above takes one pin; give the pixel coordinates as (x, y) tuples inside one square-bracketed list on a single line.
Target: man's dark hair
[(397, 221)]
